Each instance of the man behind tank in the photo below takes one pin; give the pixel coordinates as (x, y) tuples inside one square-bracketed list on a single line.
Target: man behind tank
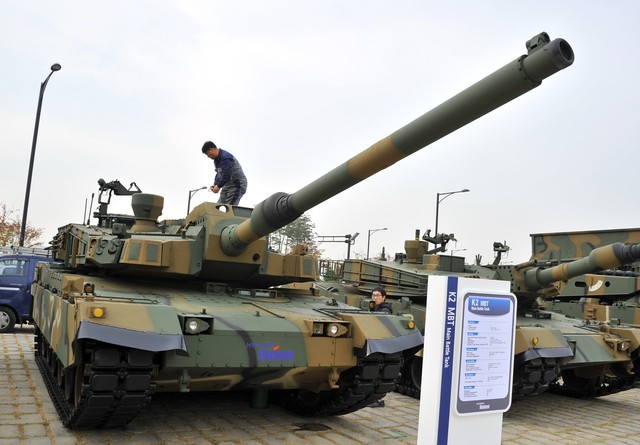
[(230, 180)]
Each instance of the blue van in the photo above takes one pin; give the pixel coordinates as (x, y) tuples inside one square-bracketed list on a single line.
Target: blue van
[(16, 276)]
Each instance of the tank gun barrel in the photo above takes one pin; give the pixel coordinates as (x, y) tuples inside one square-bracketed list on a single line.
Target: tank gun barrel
[(613, 255), (523, 74)]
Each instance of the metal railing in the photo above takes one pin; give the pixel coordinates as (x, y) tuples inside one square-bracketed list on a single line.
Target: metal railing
[(42, 251)]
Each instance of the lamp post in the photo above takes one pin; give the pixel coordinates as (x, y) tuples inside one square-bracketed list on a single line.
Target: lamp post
[(55, 67), (439, 200), (191, 193), (371, 231)]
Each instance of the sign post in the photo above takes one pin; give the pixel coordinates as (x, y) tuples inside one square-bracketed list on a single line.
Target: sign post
[(468, 361)]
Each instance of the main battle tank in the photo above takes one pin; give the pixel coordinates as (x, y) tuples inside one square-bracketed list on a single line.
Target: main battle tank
[(137, 306), (593, 358)]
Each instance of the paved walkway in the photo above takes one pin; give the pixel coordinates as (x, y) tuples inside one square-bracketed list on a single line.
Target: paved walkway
[(27, 416)]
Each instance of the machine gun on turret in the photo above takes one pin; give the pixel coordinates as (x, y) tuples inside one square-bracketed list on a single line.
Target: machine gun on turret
[(104, 199)]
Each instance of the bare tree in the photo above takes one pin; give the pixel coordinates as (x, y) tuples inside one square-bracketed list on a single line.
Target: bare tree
[(10, 226)]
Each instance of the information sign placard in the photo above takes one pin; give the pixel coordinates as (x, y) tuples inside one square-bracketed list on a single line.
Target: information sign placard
[(486, 353)]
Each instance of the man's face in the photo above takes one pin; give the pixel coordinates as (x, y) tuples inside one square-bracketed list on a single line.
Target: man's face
[(212, 153), (377, 297)]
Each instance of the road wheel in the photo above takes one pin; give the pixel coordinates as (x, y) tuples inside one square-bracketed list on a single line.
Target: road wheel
[(7, 319)]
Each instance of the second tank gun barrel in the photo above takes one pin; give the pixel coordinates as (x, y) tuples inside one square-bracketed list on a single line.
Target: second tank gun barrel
[(605, 257), (523, 74)]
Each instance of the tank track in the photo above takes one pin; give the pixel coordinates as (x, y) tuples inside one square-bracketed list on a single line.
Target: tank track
[(582, 388), (407, 384), (534, 377), (110, 386), (359, 387)]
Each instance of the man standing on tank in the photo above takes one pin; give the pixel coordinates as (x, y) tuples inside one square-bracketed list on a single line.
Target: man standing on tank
[(230, 180)]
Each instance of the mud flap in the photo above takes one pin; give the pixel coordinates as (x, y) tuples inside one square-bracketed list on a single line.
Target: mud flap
[(147, 341), (394, 344)]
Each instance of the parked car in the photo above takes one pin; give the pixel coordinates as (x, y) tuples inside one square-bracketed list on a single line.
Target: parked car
[(16, 276)]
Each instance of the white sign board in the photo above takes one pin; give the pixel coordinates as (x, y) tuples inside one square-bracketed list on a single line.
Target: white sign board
[(468, 361)]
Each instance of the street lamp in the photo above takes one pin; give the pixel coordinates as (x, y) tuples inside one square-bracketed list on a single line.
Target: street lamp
[(371, 231), (55, 67), (439, 200), (191, 193)]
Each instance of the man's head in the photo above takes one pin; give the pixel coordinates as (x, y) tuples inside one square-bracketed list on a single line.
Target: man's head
[(379, 295), (210, 149)]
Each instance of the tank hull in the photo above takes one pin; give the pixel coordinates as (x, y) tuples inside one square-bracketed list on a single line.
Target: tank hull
[(243, 339)]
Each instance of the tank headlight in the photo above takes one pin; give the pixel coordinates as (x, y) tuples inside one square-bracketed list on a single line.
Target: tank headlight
[(336, 330), (97, 312), (88, 288), (410, 324), (535, 341), (200, 324), (192, 326), (624, 345), (329, 329)]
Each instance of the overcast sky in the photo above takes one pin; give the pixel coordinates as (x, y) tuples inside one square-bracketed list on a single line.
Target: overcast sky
[(295, 88)]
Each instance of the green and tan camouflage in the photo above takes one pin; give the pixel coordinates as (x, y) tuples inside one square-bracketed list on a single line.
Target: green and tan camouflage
[(611, 294), (593, 358), (607, 296), (625, 310), (136, 305), (568, 246), (581, 260)]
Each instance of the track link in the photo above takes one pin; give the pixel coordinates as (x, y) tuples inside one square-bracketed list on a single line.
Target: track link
[(359, 387), (534, 377), (107, 389)]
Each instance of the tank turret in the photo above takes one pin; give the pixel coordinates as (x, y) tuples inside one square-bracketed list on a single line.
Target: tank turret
[(138, 305), (611, 256), (610, 294), (529, 278)]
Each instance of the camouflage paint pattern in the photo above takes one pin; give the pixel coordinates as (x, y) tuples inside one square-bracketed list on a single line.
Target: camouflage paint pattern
[(613, 295), (246, 334), (573, 245)]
